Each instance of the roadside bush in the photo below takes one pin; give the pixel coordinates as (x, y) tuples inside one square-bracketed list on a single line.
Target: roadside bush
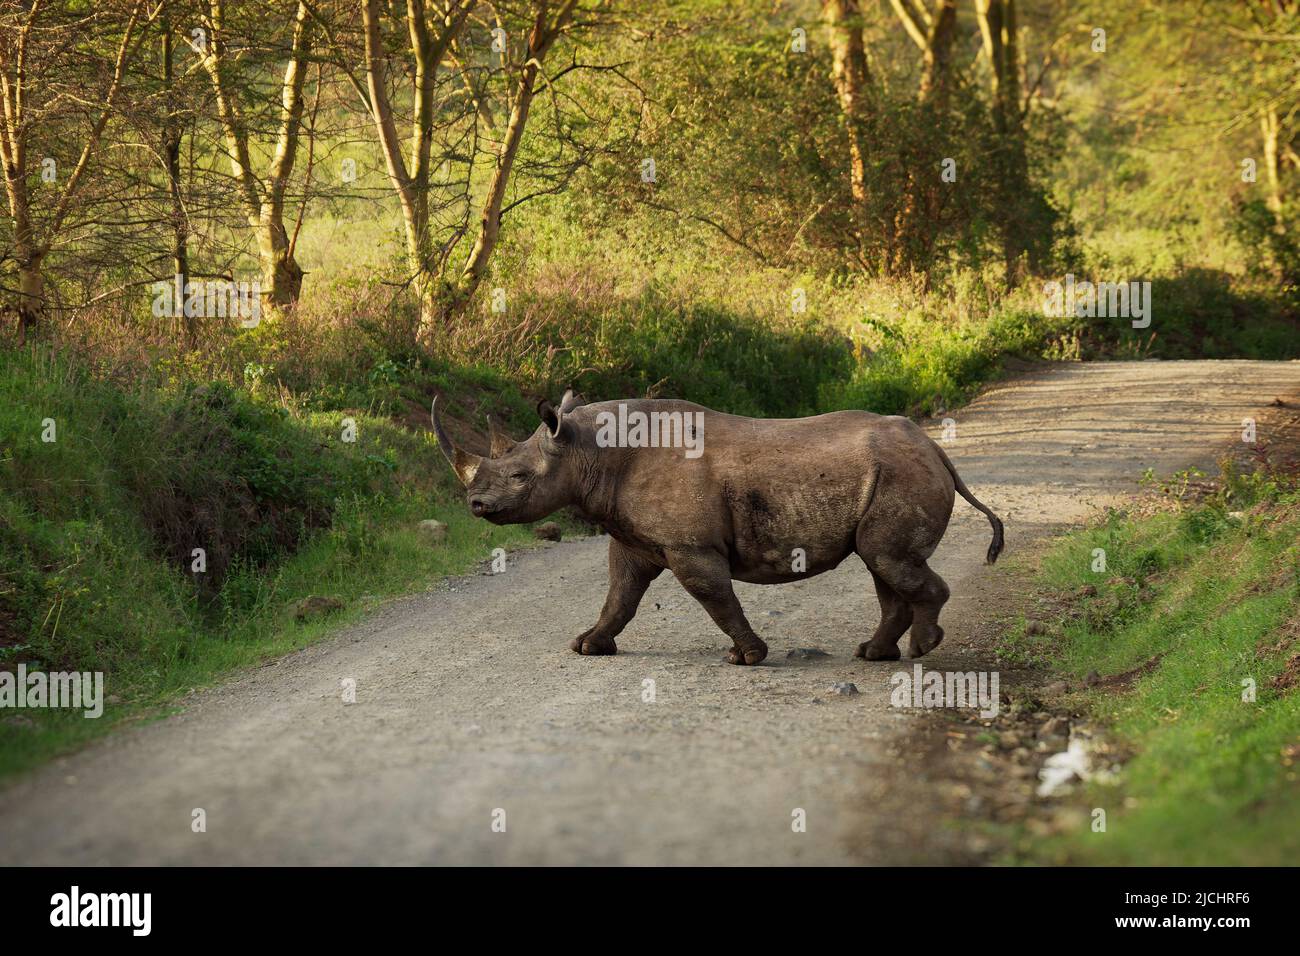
[(235, 478)]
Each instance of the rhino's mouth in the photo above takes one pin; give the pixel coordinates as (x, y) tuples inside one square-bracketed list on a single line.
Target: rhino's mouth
[(489, 511)]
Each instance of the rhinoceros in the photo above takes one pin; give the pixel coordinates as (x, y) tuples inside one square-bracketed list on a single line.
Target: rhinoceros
[(715, 498)]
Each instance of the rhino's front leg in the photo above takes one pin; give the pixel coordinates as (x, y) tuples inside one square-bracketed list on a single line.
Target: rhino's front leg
[(706, 576), (629, 576)]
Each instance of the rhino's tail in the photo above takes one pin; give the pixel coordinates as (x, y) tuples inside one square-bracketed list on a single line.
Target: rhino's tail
[(995, 548)]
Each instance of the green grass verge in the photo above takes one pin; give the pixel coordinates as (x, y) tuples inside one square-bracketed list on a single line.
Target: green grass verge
[(97, 527), (1214, 594)]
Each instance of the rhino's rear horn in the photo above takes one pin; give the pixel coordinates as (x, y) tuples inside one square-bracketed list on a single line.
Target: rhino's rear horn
[(571, 400), (462, 462), (498, 441)]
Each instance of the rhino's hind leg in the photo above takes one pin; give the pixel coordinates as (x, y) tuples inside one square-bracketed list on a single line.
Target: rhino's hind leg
[(629, 576), (904, 571), (895, 619), (925, 591), (707, 578)]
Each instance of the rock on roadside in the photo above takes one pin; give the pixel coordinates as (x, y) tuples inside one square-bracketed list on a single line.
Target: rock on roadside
[(316, 606), (548, 531), (434, 532), (806, 654)]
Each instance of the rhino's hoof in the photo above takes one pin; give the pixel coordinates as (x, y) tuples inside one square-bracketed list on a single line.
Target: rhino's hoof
[(590, 647), (748, 655), (875, 652), (924, 643)]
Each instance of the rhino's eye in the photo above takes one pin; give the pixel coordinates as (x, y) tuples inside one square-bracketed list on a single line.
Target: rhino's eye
[(519, 476)]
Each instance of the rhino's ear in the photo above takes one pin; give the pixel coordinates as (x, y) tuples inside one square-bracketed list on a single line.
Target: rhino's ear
[(498, 441), (571, 400), (557, 426)]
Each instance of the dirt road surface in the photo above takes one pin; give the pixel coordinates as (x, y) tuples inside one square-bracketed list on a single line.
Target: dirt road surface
[(470, 709)]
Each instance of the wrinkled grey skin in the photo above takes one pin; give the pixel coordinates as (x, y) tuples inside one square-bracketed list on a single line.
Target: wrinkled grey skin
[(832, 485)]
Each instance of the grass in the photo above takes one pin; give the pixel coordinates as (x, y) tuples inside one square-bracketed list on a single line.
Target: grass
[(1211, 592)]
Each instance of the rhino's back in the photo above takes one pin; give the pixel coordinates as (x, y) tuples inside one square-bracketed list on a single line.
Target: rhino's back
[(726, 434), (783, 497)]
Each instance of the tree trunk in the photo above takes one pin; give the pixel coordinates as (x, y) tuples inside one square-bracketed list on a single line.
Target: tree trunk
[(490, 218), (1270, 128), (1017, 162), (29, 305), (281, 276), (425, 281), (934, 36), (411, 182), (937, 56), (1010, 85), (171, 149), (997, 20), (441, 298), (849, 74), (31, 294), (540, 41)]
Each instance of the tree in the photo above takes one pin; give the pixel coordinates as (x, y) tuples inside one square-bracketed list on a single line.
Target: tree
[(1274, 47), (933, 32), (451, 224), (51, 90), (263, 199)]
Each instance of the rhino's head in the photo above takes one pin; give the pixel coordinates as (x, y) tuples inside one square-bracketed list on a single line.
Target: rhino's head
[(522, 481)]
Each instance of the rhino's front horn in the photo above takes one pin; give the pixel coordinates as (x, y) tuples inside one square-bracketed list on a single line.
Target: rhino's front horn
[(462, 462)]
